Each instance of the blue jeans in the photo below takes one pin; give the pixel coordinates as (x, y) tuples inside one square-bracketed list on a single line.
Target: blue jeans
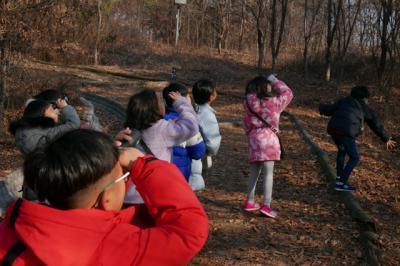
[(346, 145)]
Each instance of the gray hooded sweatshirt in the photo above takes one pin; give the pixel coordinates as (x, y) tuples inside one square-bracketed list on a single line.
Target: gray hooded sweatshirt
[(29, 138)]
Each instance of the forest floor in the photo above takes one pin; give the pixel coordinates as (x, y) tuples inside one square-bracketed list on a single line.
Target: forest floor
[(312, 228)]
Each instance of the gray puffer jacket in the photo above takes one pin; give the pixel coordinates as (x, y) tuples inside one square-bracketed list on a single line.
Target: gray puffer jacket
[(29, 138)]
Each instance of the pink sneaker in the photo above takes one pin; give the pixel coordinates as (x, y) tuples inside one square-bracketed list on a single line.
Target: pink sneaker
[(248, 206), (268, 211)]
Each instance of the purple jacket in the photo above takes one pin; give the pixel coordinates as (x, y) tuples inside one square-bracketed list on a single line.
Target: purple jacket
[(164, 135)]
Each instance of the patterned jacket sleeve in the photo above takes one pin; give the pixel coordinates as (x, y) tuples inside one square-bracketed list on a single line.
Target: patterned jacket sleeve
[(285, 95)]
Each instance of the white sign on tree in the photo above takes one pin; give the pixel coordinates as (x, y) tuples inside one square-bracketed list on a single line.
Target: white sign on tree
[(180, 2)]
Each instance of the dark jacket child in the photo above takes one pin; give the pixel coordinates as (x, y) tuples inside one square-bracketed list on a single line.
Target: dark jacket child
[(191, 149), (348, 116), (78, 176)]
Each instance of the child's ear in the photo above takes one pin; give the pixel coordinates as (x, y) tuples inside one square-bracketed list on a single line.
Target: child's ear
[(103, 203), (189, 99), (213, 97), (107, 201), (113, 198)]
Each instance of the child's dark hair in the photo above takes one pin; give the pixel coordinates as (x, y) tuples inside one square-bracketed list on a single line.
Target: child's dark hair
[(33, 117), (202, 91), (36, 108), (49, 95), (174, 87), (258, 85), (143, 110), (70, 163), (360, 92)]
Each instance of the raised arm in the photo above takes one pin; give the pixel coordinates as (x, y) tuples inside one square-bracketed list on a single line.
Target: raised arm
[(184, 126), (285, 94), (69, 120), (328, 109), (181, 224), (372, 120)]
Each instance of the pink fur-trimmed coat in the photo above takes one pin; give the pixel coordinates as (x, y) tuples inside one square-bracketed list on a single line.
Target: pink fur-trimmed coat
[(263, 143)]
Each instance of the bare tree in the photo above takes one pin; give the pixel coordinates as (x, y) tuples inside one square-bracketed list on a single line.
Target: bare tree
[(3, 75), (349, 13), (310, 16), (276, 35), (242, 24), (98, 32), (347, 22), (388, 30), (258, 9), (10, 32), (221, 21), (333, 9)]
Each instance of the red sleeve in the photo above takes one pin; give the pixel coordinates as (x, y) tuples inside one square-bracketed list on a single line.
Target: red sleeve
[(181, 224)]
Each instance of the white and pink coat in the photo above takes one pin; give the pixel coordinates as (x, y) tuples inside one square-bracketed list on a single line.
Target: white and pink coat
[(263, 143)]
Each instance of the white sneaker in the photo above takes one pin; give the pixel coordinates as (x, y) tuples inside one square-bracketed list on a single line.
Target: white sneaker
[(196, 182)]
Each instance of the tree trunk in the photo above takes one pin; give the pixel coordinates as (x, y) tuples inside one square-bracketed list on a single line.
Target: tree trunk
[(275, 45), (219, 43), (330, 36), (273, 67), (308, 29), (139, 15), (273, 34), (386, 13), (178, 26), (328, 63), (241, 32), (99, 21), (305, 59), (3, 73), (197, 35), (305, 51), (261, 49)]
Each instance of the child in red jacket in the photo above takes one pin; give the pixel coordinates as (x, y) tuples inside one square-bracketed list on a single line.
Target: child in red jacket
[(79, 180)]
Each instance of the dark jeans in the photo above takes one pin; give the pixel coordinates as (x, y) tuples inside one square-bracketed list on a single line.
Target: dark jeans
[(346, 145)]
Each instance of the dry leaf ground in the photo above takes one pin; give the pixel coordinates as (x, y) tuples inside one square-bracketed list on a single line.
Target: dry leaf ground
[(312, 227)]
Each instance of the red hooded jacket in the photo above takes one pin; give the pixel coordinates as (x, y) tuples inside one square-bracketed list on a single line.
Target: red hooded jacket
[(97, 237)]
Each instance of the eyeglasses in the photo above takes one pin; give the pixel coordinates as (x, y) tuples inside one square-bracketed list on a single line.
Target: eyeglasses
[(126, 179)]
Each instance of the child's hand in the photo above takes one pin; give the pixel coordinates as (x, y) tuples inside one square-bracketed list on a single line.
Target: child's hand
[(123, 135), (174, 95), (390, 144), (272, 78), (128, 157), (61, 103)]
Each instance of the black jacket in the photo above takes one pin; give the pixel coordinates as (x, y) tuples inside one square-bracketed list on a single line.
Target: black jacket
[(348, 117)]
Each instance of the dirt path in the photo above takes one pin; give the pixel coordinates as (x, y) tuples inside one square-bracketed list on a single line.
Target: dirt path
[(311, 228)]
